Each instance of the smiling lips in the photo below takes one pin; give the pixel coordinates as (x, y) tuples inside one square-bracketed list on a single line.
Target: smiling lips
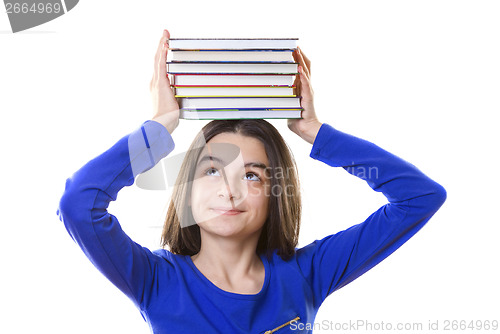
[(227, 211)]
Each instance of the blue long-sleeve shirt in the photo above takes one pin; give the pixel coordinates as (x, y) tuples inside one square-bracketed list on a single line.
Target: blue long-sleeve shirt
[(173, 296)]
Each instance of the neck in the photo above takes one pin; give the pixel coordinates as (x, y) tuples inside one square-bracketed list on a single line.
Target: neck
[(226, 258), (226, 254)]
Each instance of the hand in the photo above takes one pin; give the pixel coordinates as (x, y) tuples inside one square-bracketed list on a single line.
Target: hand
[(308, 126), (166, 108)]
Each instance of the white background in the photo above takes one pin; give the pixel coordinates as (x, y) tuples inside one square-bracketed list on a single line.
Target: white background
[(418, 78)]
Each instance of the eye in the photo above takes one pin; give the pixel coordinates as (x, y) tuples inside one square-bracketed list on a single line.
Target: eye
[(211, 171), (253, 176)]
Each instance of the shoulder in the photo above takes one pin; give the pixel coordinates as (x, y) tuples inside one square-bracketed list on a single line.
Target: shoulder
[(304, 255), (166, 255)]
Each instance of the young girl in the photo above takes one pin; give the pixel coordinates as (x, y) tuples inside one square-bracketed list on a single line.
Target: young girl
[(234, 217)]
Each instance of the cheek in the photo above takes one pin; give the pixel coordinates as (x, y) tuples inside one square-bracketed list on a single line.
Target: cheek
[(205, 187), (258, 196), (253, 194), (198, 199), (199, 192)]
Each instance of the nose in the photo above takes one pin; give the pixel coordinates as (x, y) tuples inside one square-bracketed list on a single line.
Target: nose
[(230, 187)]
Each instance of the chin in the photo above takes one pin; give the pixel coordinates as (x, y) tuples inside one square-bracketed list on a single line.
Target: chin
[(223, 230), (221, 225)]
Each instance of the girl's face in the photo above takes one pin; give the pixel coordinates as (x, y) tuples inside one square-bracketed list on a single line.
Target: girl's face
[(230, 190)]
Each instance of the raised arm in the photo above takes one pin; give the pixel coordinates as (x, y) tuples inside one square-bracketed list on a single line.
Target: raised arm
[(83, 209), (88, 192), (338, 259), (332, 262)]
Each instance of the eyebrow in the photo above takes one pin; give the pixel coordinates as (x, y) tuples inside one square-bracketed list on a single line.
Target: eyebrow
[(248, 164)]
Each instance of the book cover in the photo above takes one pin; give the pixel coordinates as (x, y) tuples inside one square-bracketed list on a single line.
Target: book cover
[(240, 113), (231, 55), (231, 67), (232, 43), (204, 79), (238, 102), (243, 91), (233, 78)]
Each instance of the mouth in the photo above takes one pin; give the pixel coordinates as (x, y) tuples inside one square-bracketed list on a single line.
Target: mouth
[(227, 211)]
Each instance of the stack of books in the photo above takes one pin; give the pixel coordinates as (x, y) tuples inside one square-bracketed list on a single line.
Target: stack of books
[(234, 78)]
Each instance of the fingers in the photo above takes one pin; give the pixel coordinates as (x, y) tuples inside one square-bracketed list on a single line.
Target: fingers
[(164, 39), (161, 52), (298, 86), (305, 84), (296, 82), (304, 61), (162, 62), (303, 80)]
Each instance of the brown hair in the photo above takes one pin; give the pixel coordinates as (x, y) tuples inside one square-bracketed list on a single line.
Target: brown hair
[(281, 229)]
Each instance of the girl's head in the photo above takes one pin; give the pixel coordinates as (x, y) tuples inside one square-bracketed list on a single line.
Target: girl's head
[(240, 165)]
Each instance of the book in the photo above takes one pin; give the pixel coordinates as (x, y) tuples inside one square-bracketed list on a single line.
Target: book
[(231, 67), (233, 43), (234, 78), (203, 79), (240, 113), (238, 102), (231, 55), (244, 91)]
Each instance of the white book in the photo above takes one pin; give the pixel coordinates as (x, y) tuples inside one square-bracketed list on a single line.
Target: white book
[(223, 80), (238, 102), (232, 43), (248, 56), (228, 67), (240, 114), (233, 91)]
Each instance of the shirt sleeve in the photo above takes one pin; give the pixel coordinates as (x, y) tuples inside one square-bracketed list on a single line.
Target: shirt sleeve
[(83, 210), (336, 260)]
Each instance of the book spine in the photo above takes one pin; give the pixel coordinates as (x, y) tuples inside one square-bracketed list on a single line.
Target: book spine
[(221, 84)]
